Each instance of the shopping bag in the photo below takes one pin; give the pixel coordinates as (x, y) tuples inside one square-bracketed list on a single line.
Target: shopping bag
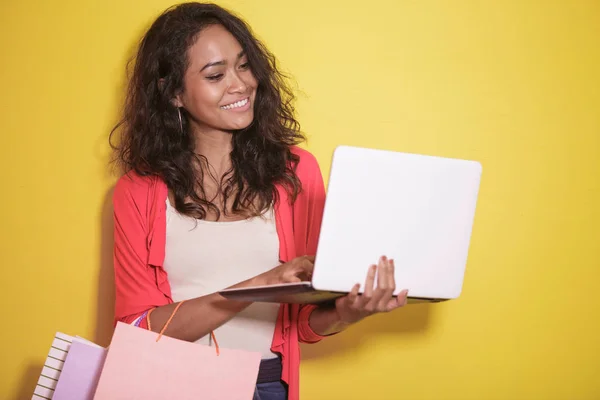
[(141, 364), (81, 371)]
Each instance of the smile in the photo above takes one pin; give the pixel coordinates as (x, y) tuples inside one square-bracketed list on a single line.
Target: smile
[(237, 104)]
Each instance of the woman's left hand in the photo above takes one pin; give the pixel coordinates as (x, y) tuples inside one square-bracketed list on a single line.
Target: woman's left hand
[(355, 307)]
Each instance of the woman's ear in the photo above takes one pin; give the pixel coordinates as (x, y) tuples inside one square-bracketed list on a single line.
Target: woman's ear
[(176, 101)]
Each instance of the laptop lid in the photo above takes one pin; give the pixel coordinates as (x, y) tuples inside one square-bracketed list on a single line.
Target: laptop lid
[(417, 209)]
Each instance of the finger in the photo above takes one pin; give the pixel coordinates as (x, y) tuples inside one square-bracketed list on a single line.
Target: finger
[(388, 292), (289, 278), (381, 290), (302, 276), (303, 269), (310, 258), (308, 265), (403, 300), (382, 272), (392, 276), (352, 297), (399, 301), (368, 292)]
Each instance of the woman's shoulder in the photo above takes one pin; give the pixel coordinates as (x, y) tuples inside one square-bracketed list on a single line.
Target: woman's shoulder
[(307, 163), (309, 172), (137, 187)]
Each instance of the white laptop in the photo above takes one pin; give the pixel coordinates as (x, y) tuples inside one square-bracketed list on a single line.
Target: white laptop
[(417, 209)]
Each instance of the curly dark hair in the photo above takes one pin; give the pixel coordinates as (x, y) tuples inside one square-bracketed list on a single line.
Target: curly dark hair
[(151, 141)]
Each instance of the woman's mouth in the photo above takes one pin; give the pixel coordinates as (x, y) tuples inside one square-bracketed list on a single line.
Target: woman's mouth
[(238, 105)]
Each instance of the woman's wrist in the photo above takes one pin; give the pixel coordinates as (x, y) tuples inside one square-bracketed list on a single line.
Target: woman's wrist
[(326, 321)]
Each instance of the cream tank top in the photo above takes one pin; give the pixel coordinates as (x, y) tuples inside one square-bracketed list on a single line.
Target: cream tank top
[(202, 257)]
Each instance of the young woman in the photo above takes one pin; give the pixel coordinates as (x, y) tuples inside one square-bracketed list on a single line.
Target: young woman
[(217, 194)]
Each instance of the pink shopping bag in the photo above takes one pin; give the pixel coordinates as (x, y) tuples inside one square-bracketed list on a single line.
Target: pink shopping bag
[(138, 366)]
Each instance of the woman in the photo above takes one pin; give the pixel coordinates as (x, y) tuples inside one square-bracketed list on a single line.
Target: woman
[(217, 194)]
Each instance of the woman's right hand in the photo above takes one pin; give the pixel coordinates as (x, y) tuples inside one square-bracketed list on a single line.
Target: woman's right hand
[(297, 270)]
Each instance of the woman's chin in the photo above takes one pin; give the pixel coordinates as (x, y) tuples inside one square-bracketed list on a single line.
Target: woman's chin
[(239, 125)]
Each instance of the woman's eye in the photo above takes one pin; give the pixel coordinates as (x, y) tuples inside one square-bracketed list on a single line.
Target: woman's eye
[(245, 65), (215, 77)]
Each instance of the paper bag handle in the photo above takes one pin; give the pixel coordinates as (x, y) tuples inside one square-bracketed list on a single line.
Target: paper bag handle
[(212, 334)]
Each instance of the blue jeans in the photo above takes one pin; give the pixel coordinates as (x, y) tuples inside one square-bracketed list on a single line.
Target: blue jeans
[(270, 391)]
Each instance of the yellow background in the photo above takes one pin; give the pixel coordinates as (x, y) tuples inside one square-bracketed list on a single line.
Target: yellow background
[(513, 84)]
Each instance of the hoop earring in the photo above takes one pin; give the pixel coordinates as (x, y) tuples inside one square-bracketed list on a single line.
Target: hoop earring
[(180, 121)]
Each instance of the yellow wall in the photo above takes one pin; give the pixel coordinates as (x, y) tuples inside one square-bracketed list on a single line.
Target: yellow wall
[(514, 84)]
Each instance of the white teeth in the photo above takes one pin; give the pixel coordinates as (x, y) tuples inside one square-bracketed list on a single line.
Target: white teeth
[(237, 104)]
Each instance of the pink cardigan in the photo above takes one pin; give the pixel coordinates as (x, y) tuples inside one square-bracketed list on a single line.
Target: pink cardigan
[(139, 250)]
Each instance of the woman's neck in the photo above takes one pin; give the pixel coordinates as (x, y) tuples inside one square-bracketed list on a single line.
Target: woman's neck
[(216, 146)]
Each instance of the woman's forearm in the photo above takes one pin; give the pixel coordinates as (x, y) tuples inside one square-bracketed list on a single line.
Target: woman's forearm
[(199, 316)]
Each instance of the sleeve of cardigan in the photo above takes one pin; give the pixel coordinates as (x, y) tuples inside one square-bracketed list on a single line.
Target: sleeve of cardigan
[(136, 290), (316, 202)]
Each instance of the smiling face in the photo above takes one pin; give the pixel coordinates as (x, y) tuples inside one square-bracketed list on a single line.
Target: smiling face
[(219, 87)]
